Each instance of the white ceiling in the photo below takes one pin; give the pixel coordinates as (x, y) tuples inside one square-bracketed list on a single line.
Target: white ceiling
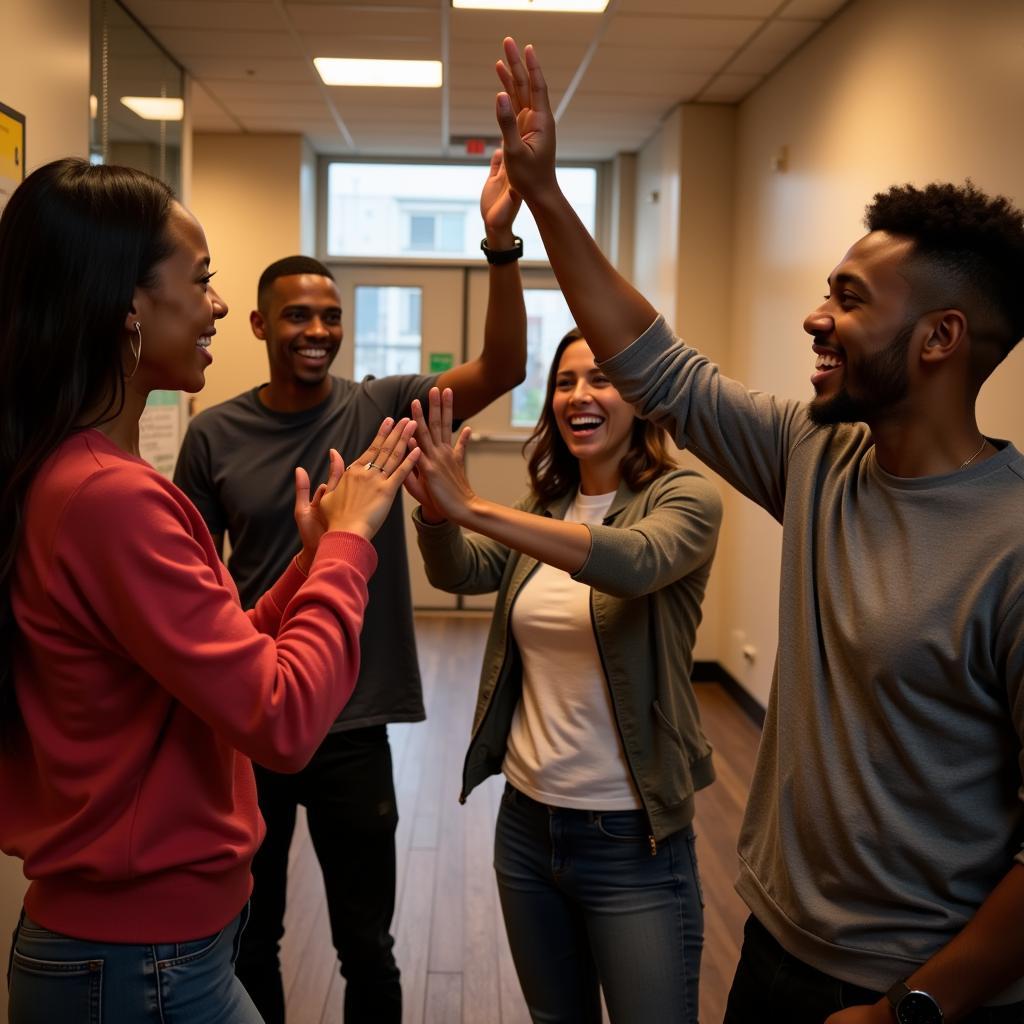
[(617, 74)]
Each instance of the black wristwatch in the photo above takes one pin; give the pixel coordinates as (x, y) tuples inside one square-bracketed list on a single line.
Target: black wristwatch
[(497, 257), (913, 1006)]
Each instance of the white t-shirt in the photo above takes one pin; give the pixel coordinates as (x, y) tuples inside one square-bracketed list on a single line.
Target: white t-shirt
[(564, 749)]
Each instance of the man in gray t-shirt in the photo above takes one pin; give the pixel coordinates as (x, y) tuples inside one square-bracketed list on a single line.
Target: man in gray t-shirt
[(236, 464), (881, 851)]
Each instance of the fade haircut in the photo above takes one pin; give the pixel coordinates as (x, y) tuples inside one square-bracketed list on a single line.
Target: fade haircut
[(288, 267), (974, 244)]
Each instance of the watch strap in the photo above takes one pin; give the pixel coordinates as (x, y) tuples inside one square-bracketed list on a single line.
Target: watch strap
[(896, 993), (498, 257), (913, 1005)]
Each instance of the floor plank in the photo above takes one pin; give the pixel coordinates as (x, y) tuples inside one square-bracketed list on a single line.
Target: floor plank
[(450, 941)]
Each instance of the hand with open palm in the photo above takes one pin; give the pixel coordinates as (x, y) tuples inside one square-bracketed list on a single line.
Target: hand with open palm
[(526, 122)]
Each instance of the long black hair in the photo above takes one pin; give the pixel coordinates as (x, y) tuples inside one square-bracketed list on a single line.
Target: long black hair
[(555, 471), (75, 241)]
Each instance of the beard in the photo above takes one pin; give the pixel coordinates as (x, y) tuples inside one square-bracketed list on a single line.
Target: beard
[(881, 381)]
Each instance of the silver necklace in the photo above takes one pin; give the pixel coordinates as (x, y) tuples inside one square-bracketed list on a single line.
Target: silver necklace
[(967, 462)]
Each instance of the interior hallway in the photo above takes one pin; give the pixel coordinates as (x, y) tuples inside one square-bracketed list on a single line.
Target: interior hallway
[(451, 948)]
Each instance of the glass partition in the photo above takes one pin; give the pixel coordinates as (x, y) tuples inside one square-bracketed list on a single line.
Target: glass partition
[(137, 97)]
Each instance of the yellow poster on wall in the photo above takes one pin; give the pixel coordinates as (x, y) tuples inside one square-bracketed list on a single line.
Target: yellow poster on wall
[(12, 152)]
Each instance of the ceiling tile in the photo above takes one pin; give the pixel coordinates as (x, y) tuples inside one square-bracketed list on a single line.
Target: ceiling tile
[(701, 8), (654, 54), (644, 82), (820, 9), (400, 5), (323, 20), (729, 88), (229, 89), (211, 15), (263, 69), (620, 61), (777, 42), (657, 33), (186, 44)]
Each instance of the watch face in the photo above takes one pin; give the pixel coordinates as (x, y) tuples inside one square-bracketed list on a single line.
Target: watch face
[(918, 1008)]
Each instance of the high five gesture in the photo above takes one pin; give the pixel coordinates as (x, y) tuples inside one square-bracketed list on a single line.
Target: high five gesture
[(609, 311), (526, 122)]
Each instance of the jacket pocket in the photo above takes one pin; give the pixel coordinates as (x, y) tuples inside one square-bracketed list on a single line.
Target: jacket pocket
[(668, 727), (674, 766)]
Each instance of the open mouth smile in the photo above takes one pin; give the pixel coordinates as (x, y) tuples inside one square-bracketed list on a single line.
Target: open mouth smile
[(585, 424), (314, 353), (827, 364)]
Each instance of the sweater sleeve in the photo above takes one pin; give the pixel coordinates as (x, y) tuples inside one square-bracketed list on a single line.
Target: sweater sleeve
[(128, 570), (677, 536), (744, 436), (458, 561)]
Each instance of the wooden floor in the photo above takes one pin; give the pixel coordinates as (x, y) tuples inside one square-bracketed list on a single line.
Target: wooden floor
[(450, 940)]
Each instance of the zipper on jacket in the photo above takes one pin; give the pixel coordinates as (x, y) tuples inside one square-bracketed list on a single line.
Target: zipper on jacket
[(651, 841), (490, 703)]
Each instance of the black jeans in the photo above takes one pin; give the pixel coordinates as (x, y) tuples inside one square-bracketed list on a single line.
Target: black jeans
[(770, 985), (349, 796)]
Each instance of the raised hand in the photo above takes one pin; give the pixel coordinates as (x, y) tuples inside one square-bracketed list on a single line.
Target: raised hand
[(441, 476), (308, 515), (526, 122), (360, 501), (499, 204)]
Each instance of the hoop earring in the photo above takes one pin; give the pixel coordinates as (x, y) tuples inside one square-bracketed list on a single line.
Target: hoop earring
[(136, 351)]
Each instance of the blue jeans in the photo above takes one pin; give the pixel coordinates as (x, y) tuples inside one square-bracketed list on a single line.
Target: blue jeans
[(587, 905), (771, 984), (55, 978)]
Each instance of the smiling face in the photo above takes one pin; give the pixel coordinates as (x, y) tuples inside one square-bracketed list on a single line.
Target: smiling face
[(177, 313), (862, 334), (592, 417), (300, 320)]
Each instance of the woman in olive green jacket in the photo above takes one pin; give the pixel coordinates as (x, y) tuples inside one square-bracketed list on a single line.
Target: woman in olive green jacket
[(585, 698)]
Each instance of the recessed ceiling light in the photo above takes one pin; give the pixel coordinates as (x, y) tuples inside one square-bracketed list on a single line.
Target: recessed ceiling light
[(570, 6), (156, 108), (408, 74)]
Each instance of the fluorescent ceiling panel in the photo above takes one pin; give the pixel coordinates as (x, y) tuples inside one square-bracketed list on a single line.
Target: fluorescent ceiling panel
[(156, 108), (564, 6), (408, 74)]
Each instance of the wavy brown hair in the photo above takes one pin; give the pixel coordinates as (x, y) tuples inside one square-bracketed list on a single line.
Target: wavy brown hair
[(555, 471)]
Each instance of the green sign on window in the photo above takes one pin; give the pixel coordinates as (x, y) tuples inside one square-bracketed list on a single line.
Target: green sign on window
[(441, 361)]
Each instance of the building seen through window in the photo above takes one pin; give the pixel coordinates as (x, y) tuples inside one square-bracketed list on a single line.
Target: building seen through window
[(428, 210)]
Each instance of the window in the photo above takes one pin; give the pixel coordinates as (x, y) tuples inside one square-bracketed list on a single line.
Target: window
[(441, 232), (428, 210), (388, 330), (547, 321)]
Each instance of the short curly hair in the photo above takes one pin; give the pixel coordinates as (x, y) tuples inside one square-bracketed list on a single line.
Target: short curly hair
[(975, 241)]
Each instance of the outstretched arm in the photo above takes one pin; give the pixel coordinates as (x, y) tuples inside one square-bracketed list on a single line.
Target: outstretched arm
[(502, 363), (609, 311)]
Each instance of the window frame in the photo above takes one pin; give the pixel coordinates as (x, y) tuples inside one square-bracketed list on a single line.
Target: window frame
[(602, 210)]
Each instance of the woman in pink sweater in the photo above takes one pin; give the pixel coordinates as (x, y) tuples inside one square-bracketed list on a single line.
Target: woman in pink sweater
[(133, 688)]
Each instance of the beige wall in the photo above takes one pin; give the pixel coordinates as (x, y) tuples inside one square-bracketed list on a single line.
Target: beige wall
[(44, 75), (915, 91), (682, 260), (253, 195)]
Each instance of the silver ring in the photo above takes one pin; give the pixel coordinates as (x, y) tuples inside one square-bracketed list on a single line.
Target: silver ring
[(371, 465)]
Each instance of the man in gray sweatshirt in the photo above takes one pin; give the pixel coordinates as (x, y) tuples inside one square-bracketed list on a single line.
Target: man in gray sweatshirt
[(881, 852)]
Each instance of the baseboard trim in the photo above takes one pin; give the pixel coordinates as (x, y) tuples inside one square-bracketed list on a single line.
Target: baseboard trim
[(715, 672)]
